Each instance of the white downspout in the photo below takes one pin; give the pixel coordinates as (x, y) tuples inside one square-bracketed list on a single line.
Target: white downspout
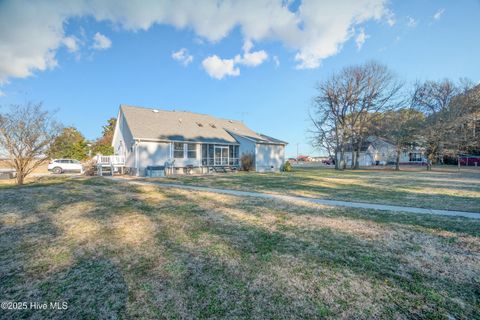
[(137, 169), (255, 155)]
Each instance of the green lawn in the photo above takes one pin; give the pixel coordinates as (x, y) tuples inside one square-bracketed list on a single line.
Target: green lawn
[(112, 250), (440, 189)]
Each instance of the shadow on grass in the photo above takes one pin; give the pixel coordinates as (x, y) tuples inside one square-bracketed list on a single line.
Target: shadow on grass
[(373, 187), (204, 263), (329, 250)]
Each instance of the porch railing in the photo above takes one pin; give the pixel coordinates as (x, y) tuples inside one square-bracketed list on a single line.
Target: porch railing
[(211, 162), (110, 160)]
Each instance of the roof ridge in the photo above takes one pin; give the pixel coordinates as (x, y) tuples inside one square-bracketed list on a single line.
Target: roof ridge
[(178, 111)]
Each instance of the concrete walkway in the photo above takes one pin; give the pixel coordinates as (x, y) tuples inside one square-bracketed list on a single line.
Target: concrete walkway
[(362, 205)]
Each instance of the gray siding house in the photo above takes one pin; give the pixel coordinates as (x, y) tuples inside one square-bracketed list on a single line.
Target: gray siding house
[(379, 151), (180, 139)]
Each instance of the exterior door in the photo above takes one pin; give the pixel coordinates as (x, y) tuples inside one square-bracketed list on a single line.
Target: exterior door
[(221, 156)]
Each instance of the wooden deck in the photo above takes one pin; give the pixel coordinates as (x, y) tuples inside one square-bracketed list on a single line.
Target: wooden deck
[(110, 164)]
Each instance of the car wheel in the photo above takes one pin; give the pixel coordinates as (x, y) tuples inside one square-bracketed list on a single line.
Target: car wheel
[(57, 170)]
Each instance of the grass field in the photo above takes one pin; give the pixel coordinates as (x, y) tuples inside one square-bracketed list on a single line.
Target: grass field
[(112, 250), (440, 189)]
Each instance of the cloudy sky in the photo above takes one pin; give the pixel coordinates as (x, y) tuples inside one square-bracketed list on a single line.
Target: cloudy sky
[(256, 61)]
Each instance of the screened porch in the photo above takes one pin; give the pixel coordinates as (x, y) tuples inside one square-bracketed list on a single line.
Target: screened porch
[(220, 155)]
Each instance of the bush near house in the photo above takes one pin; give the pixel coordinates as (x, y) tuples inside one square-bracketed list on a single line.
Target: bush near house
[(246, 162), (287, 167)]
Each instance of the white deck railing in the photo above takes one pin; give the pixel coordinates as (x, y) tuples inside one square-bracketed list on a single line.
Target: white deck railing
[(110, 160)]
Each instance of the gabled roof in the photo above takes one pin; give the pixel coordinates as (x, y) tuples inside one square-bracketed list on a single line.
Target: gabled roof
[(375, 142), (162, 125)]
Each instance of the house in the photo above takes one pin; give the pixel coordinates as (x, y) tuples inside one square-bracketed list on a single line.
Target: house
[(319, 158), (304, 158), (379, 151), (182, 140)]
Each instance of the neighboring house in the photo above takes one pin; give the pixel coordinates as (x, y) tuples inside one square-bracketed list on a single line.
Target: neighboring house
[(379, 151), (319, 159), (180, 139), (304, 158)]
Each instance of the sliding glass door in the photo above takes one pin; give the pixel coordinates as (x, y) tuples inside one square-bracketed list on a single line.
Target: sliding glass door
[(221, 155)]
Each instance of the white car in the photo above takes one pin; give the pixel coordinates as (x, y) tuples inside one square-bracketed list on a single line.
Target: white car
[(65, 165)]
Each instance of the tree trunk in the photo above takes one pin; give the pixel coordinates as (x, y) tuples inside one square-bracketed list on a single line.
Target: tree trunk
[(336, 159), (429, 162), (352, 162), (20, 177), (337, 141), (397, 161), (357, 157), (354, 154), (343, 164)]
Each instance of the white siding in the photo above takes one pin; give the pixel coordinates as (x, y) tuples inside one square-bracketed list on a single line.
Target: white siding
[(269, 157), (152, 154), (123, 142), (157, 153), (246, 146)]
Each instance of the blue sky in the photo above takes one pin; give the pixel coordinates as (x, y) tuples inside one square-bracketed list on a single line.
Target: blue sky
[(248, 62)]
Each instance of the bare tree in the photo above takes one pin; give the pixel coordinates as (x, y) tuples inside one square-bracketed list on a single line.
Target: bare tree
[(433, 99), (26, 132), (329, 118), (402, 128), (322, 137), (463, 119), (348, 102), (447, 106)]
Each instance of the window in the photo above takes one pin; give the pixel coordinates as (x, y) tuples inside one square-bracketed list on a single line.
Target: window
[(233, 150), (192, 151), (178, 151), (415, 157)]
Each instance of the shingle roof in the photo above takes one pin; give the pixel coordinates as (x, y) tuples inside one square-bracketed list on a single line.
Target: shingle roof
[(153, 124), (376, 142)]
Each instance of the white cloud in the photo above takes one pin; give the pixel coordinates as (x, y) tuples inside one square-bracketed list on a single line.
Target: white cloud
[(390, 18), (2, 94), (32, 31), (276, 60), (219, 68), (251, 59), (101, 42), (361, 38), (438, 15), (182, 56), (71, 43), (411, 22)]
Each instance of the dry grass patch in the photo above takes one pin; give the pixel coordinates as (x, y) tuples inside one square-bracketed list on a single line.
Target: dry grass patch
[(439, 189), (113, 250)]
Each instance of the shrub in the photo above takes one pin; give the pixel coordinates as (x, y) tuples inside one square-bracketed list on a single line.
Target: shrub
[(246, 162), (89, 167), (287, 167)]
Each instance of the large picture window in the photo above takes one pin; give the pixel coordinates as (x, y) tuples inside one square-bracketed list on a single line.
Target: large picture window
[(192, 151), (415, 157), (178, 150)]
